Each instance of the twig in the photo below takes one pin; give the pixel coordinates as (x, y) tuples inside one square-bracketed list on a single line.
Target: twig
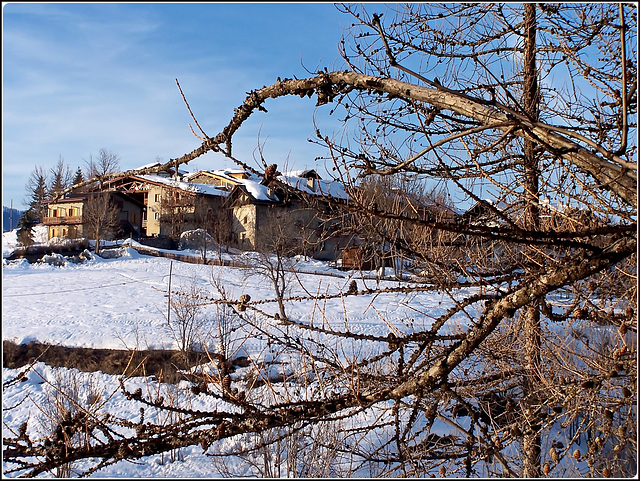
[(192, 116)]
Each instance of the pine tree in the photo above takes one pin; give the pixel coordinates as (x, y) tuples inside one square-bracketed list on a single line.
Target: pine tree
[(37, 194), (25, 228), (78, 177), (61, 177)]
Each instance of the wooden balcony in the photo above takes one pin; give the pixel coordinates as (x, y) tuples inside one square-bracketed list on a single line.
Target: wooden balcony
[(66, 220)]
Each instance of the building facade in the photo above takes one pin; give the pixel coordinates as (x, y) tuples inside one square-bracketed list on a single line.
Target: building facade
[(237, 208), (67, 218)]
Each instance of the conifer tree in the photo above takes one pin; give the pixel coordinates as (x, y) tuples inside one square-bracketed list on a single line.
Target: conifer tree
[(78, 177), (25, 228), (61, 177), (37, 193)]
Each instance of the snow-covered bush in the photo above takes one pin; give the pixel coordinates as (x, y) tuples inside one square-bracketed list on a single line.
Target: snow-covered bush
[(57, 260)]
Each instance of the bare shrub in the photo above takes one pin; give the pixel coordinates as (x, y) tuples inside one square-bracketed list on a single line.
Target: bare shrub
[(68, 413), (186, 322), (301, 451), (276, 263)]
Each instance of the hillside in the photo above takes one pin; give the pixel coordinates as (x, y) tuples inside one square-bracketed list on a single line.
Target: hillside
[(121, 303)]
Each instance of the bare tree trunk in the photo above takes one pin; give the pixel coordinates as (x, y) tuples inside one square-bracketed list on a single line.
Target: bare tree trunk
[(531, 314)]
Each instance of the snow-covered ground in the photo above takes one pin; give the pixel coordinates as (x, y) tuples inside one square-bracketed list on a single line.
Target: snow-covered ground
[(121, 303)]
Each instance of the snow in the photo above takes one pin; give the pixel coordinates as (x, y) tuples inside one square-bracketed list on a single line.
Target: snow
[(120, 303), (186, 186), (323, 188)]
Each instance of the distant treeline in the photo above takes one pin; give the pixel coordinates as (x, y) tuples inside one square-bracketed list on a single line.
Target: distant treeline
[(10, 218)]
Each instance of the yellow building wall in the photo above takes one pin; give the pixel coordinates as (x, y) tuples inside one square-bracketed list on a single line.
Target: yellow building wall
[(154, 211), (61, 211), (67, 209)]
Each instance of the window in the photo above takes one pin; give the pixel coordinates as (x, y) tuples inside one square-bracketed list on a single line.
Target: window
[(157, 199), (156, 216)]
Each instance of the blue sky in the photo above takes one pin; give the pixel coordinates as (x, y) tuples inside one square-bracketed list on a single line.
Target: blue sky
[(81, 77)]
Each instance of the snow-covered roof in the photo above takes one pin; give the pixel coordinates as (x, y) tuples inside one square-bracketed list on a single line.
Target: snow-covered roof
[(252, 183), (258, 191), (325, 188), (147, 166), (205, 189), (226, 174), (230, 171), (305, 173)]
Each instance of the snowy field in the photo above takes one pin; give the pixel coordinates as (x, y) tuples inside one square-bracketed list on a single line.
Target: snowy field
[(120, 303)]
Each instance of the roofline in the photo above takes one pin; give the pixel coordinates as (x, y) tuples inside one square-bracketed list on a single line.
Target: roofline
[(82, 196)]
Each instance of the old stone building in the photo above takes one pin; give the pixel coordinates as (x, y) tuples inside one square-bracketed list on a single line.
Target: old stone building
[(171, 206), (291, 207), (237, 208)]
